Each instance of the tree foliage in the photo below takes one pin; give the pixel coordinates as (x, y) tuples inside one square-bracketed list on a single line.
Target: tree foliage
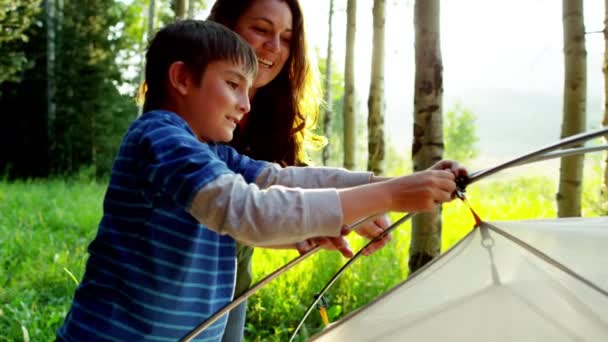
[(93, 114), (16, 18), (460, 134), (335, 131), (68, 78), (90, 113)]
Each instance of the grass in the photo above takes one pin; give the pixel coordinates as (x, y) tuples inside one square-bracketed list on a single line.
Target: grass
[(45, 227)]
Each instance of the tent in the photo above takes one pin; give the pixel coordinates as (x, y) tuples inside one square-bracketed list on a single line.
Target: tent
[(544, 280), (537, 280)]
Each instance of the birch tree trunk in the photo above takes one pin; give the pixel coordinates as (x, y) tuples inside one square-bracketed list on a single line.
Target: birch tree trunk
[(349, 86), (50, 79), (191, 5), (181, 8), (327, 118), (375, 103), (151, 17), (605, 121), (574, 116), (149, 33), (427, 147)]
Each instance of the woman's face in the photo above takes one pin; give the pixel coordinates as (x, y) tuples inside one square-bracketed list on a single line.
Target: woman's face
[(267, 27)]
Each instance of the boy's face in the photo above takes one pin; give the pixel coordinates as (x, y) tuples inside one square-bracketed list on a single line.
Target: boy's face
[(218, 103)]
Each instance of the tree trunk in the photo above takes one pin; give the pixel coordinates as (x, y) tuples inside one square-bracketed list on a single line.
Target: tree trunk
[(181, 8), (93, 133), (50, 80), (574, 116), (327, 119), (605, 121), (191, 9), (427, 147), (149, 33), (375, 103), (151, 18), (349, 86)]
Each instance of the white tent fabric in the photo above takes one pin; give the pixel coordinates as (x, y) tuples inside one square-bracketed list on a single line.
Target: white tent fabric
[(489, 288)]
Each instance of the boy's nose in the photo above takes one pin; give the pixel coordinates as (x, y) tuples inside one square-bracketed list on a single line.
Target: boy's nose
[(243, 103)]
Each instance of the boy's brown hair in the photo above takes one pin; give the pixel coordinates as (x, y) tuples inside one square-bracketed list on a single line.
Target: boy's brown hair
[(196, 43)]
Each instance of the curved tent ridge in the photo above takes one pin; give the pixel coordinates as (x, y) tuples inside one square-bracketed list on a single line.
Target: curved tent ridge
[(497, 291)]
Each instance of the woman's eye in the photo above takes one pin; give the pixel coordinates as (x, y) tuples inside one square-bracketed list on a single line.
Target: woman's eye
[(260, 29), (232, 84)]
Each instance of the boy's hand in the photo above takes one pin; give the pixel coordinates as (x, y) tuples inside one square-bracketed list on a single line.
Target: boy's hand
[(452, 166), (420, 191)]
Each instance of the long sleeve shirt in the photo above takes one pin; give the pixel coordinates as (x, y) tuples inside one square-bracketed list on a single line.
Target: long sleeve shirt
[(163, 259)]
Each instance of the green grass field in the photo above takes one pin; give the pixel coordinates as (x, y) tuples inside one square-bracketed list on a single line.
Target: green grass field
[(45, 227)]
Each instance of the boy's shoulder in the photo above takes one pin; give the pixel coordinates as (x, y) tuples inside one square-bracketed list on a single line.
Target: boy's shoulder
[(154, 126), (155, 119), (160, 116), (156, 123)]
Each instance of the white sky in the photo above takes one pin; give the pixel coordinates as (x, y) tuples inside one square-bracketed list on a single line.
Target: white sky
[(487, 46), (476, 36)]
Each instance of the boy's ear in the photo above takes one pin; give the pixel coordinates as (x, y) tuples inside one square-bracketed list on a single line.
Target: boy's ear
[(179, 77)]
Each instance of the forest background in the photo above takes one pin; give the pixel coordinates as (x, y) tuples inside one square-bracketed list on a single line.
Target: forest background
[(68, 95)]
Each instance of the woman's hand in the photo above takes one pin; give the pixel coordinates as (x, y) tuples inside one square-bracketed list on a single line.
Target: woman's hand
[(330, 243), (371, 229)]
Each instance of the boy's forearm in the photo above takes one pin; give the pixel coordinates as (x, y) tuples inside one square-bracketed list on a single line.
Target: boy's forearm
[(364, 201), (376, 179), (312, 177), (275, 216)]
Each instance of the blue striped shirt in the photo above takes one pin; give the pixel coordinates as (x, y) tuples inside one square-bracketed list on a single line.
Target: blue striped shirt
[(154, 272)]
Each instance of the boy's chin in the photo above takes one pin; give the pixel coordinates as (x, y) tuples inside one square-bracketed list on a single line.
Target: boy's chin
[(226, 138)]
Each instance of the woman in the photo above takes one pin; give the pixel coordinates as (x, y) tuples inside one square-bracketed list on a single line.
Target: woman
[(285, 100)]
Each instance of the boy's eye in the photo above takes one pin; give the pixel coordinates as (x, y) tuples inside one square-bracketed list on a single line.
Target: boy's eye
[(233, 84), (260, 29)]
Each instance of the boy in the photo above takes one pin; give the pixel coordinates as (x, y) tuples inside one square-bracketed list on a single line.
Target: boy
[(163, 259)]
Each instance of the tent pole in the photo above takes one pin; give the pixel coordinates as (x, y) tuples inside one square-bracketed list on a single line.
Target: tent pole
[(543, 153), (343, 268), (532, 156), (538, 155), (243, 296)]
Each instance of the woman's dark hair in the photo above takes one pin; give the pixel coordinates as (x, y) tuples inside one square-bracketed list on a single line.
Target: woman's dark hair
[(196, 43), (283, 112)]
